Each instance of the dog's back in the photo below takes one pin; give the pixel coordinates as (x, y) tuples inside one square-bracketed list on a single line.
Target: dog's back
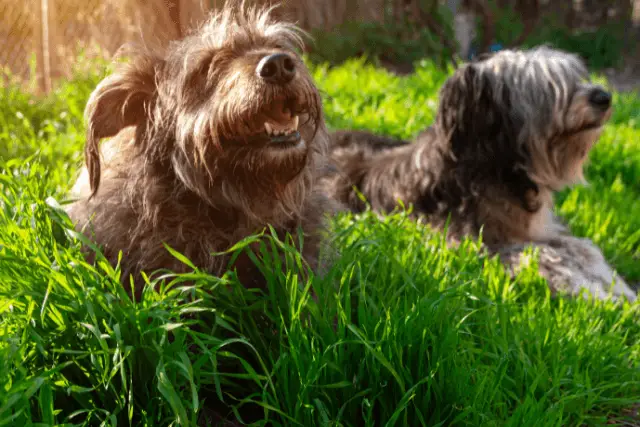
[(363, 141), (377, 166)]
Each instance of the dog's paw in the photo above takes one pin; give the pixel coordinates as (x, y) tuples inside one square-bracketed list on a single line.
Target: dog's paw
[(571, 265)]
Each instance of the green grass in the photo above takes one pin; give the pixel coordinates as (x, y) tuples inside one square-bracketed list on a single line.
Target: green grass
[(403, 331)]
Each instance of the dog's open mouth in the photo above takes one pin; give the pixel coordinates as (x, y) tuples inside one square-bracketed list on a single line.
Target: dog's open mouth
[(281, 124)]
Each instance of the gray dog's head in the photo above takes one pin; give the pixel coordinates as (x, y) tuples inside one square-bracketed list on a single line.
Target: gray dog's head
[(526, 118)]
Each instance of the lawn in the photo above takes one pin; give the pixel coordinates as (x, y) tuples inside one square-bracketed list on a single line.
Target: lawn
[(404, 331)]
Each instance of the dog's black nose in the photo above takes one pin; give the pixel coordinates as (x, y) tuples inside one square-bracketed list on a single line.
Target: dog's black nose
[(277, 68), (600, 98)]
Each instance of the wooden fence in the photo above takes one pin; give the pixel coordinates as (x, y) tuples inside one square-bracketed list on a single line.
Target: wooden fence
[(39, 39), (52, 31)]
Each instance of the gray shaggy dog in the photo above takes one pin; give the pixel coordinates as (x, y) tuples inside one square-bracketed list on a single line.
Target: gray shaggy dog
[(214, 139), (511, 129)]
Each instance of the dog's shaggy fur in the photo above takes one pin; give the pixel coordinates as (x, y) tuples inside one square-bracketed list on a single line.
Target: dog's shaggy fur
[(511, 129), (192, 163)]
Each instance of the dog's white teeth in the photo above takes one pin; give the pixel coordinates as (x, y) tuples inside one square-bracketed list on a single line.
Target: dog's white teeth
[(276, 129)]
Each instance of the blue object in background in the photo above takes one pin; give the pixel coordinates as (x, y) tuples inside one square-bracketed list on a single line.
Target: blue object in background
[(495, 47)]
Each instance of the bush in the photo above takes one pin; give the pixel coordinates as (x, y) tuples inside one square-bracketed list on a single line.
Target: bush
[(397, 44)]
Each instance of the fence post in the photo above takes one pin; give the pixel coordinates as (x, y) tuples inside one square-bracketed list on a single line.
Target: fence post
[(42, 46), (46, 45), (55, 65)]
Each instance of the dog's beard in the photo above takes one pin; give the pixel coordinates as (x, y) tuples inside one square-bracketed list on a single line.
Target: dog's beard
[(573, 154), (259, 169), (262, 178), (267, 160), (264, 181), (265, 149), (560, 150)]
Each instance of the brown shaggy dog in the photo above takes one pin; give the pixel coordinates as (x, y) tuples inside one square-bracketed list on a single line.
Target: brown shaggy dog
[(511, 129), (216, 138)]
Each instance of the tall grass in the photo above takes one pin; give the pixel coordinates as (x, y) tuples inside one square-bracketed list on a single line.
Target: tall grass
[(401, 331)]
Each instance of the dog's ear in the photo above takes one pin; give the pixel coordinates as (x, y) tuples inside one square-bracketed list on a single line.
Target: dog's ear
[(456, 96), (482, 128), (473, 117), (120, 100)]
